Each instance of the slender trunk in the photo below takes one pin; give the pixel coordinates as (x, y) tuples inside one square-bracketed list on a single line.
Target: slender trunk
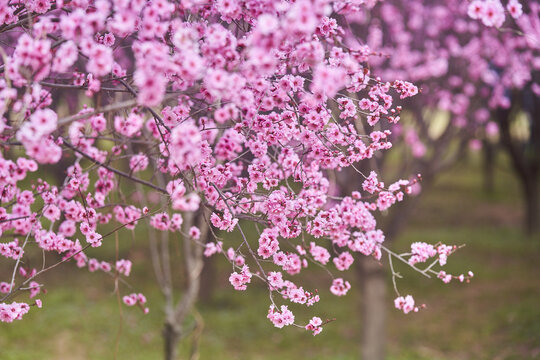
[(373, 287), (374, 291), (532, 204), (489, 152), (171, 337), (526, 164), (173, 330)]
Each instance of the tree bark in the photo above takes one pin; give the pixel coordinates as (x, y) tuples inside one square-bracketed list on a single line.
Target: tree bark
[(171, 337), (532, 204), (173, 329), (526, 163), (374, 301), (489, 152)]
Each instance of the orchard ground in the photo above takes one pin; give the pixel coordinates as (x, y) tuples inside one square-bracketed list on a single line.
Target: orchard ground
[(496, 316)]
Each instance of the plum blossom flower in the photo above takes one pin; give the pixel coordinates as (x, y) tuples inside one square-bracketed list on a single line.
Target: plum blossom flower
[(239, 280), (13, 311), (315, 325), (405, 303), (340, 287), (281, 318)]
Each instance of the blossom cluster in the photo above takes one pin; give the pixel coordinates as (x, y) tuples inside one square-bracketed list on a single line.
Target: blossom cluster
[(136, 299), (315, 325), (492, 12), (13, 311), (406, 304), (280, 318)]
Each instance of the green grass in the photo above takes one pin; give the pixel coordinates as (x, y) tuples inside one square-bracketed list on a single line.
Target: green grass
[(496, 316)]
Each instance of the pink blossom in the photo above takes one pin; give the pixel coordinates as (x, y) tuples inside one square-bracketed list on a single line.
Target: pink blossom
[(405, 303), (128, 126), (281, 318), (13, 311), (123, 267), (340, 287), (515, 8), (315, 325), (421, 252), (319, 253), (138, 162), (185, 145), (212, 248), (239, 280), (344, 261)]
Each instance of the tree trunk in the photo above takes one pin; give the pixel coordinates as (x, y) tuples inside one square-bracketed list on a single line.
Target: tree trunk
[(532, 204), (526, 163), (175, 315), (489, 152), (374, 302), (171, 337)]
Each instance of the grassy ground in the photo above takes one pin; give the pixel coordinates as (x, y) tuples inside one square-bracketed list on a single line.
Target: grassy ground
[(496, 316)]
